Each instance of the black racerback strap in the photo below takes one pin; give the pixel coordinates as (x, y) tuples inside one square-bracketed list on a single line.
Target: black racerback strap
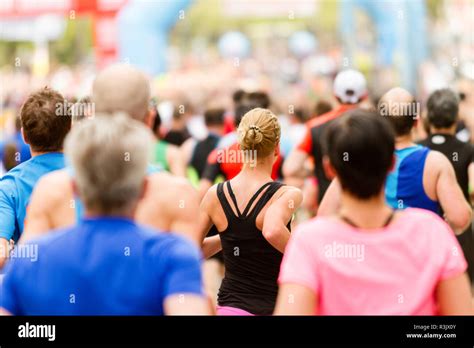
[(224, 203), (268, 194), (252, 199), (272, 186)]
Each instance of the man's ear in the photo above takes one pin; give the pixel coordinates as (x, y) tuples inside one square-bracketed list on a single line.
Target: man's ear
[(75, 190), (23, 136), (392, 165), (144, 188), (328, 168), (276, 153), (150, 119)]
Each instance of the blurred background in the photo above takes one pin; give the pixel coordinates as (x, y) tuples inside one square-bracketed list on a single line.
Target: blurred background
[(201, 51)]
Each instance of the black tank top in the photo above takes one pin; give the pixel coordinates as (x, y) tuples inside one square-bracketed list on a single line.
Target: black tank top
[(251, 263)]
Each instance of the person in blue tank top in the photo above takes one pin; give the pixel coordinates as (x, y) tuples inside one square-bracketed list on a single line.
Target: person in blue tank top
[(44, 124), (107, 264), (404, 186), (421, 178)]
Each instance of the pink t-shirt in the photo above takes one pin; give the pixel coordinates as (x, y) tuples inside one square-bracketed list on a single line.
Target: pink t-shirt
[(387, 271)]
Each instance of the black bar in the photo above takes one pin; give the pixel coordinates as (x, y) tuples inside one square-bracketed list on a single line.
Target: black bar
[(289, 331)]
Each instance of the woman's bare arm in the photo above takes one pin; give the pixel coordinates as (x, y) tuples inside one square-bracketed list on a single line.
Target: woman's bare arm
[(454, 296), (295, 299), (277, 216)]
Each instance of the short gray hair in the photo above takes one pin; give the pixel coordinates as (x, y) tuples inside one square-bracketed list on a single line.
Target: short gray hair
[(109, 155)]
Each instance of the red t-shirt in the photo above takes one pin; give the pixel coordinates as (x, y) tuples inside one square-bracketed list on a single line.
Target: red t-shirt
[(307, 143), (228, 162)]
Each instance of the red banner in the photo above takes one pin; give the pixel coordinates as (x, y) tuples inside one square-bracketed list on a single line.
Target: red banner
[(103, 12)]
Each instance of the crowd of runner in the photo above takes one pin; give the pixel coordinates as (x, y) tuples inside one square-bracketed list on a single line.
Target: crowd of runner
[(361, 206)]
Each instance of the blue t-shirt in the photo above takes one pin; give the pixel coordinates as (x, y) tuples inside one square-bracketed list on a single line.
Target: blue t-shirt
[(102, 266), (404, 185), (16, 187)]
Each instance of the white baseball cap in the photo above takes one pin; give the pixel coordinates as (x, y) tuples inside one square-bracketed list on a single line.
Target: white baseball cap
[(350, 86)]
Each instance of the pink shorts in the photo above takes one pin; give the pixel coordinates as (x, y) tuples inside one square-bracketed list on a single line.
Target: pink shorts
[(224, 310)]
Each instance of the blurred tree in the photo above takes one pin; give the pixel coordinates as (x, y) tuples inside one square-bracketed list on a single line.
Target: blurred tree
[(206, 18), (435, 8), (71, 48), (75, 44), (9, 51)]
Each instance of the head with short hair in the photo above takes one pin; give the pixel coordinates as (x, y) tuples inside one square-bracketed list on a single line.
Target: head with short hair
[(122, 88), (259, 130), (248, 102), (238, 96), (45, 120), (240, 111), (401, 110), (109, 155), (214, 117), (300, 114), (443, 108), (259, 98), (179, 112), (322, 107), (360, 147), (81, 109)]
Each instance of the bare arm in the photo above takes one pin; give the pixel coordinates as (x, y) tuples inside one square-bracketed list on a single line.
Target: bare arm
[(454, 296), (211, 246), (277, 216), (457, 210), (186, 304), (294, 164), (294, 299), (4, 312), (5, 247), (204, 221), (332, 200)]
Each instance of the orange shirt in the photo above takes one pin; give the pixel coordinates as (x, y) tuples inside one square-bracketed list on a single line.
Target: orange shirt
[(307, 143)]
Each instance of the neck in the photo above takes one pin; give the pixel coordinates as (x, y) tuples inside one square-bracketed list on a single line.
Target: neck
[(449, 131), (215, 130), (262, 169), (89, 213), (37, 153), (367, 213), (404, 141), (178, 126)]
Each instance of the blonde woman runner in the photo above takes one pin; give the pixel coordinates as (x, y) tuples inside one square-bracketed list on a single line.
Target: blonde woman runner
[(252, 214)]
